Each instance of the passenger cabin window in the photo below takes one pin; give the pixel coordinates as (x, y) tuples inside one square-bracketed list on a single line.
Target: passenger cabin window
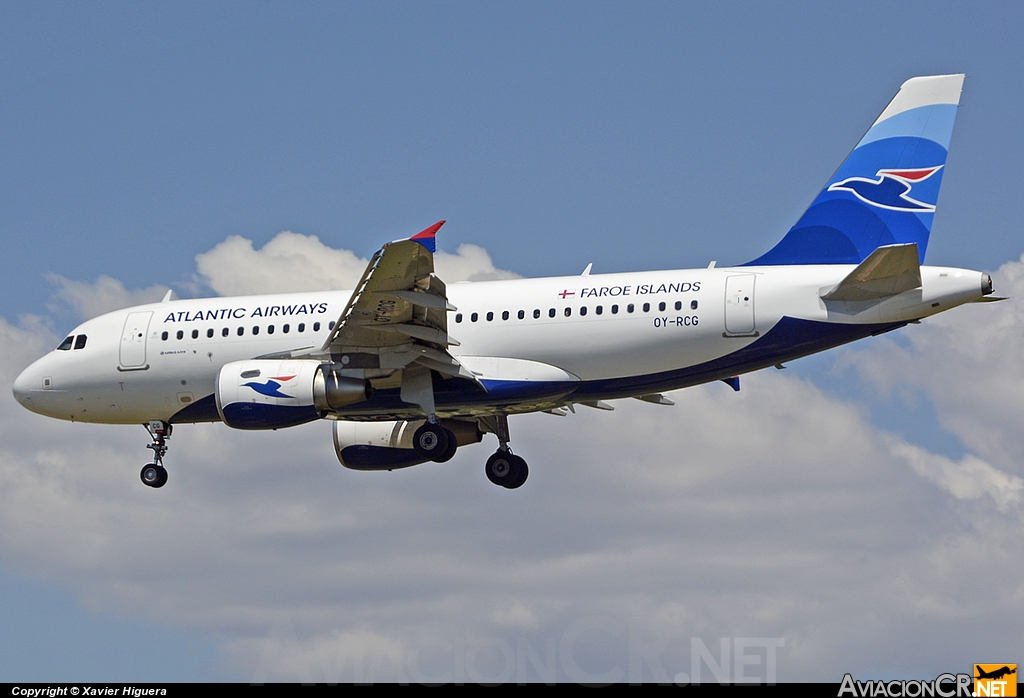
[(551, 312), (225, 332), (330, 325), (80, 341), (679, 305), (661, 306), (599, 309), (66, 344), (568, 312), (536, 313), (180, 334), (241, 331), (316, 326), (256, 329), (195, 334), (521, 314), (163, 336), (629, 308), (302, 327), (270, 329), (458, 317), (209, 333), (285, 328), (473, 317), (647, 307), (693, 305), (615, 309), (490, 316), (504, 315), (583, 310)]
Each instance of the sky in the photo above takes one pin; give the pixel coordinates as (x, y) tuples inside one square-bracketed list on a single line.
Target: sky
[(857, 512)]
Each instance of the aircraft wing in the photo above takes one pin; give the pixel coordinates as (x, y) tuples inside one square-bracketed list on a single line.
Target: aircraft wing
[(398, 314)]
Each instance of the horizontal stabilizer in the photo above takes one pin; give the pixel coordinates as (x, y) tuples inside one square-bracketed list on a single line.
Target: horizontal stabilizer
[(888, 271)]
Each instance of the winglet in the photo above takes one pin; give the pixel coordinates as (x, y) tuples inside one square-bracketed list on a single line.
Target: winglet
[(427, 237)]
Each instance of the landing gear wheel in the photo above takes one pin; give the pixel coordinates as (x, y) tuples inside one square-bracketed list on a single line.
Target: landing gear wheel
[(430, 441), (153, 475), (524, 472), (507, 470), (453, 445)]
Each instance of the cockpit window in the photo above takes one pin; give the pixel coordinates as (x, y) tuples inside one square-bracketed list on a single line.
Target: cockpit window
[(66, 344), (80, 341)]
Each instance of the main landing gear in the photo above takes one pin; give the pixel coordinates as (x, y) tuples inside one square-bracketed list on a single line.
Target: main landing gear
[(437, 443), (154, 474), (433, 442), (504, 468)]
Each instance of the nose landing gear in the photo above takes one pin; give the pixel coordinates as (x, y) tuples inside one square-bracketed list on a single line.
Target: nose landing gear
[(154, 474)]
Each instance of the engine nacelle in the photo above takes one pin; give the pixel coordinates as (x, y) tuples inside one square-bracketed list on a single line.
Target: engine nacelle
[(388, 445), (272, 393)]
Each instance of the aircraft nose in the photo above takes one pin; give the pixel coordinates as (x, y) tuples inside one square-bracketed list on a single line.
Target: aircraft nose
[(21, 387), (24, 385)]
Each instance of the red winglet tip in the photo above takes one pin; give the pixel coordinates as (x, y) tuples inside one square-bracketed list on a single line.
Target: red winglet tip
[(428, 232)]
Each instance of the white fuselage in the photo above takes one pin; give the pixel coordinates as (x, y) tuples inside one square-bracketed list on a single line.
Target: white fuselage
[(151, 362)]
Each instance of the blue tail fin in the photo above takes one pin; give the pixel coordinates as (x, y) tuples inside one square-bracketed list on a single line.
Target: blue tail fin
[(885, 191)]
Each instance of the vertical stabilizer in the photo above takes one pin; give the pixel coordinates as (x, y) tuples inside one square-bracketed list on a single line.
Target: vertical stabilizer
[(886, 190)]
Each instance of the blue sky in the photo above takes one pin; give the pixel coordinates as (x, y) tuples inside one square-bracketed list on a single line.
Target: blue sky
[(135, 137)]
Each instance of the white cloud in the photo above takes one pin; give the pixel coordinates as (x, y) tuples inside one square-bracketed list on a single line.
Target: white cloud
[(288, 262), (101, 296), (294, 262), (469, 263), (778, 511), (970, 478), (968, 362)]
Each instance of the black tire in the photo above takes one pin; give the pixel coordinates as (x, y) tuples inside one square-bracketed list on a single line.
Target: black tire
[(453, 446), (430, 441), (522, 472), (153, 475), (503, 468)]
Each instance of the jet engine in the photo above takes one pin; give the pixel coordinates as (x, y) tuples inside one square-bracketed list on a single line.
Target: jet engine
[(388, 445), (272, 394)]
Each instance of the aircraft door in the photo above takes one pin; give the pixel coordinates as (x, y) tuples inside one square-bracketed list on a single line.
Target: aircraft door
[(739, 305), (133, 340)]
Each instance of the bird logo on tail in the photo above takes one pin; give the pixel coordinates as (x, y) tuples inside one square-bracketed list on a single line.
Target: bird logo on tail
[(891, 189)]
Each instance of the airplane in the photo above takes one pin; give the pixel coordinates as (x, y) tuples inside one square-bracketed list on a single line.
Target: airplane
[(409, 369), (995, 674)]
